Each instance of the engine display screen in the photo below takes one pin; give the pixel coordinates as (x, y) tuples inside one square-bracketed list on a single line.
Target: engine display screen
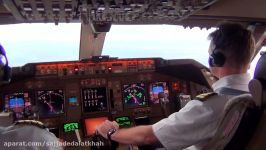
[(71, 126), (19, 103), (50, 102), (94, 99), (155, 89), (123, 121), (134, 95), (92, 123)]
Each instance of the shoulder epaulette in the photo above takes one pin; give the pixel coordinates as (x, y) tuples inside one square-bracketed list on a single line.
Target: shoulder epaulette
[(31, 122), (203, 97)]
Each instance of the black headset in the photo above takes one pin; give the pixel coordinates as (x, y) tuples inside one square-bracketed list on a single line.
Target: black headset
[(216, 59), (6, 74)]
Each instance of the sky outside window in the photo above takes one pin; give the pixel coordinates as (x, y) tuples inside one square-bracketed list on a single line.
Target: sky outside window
[(165, 41), (27, 43)]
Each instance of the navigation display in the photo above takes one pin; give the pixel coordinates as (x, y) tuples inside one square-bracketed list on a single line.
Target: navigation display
[(50, 102), (92, 123), (134, 95), (155, 89), (19, 103), (94, 99)]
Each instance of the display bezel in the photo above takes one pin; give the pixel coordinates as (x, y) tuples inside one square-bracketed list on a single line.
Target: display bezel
[(145, 94), (98, 111), (51, 115), (150, 91), (30, 96)]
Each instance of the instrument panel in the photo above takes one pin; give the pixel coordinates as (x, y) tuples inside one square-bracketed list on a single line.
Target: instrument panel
[(134, 95), (79, 95), (50, 102), (94, 100), (19, 102)]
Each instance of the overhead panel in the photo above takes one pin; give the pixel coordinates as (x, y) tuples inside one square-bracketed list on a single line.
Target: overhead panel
[(113, 11)]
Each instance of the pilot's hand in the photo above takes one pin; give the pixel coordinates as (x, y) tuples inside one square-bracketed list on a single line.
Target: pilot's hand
[(106, 126)]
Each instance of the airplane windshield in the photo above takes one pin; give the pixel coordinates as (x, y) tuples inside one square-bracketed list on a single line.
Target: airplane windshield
[(165, 41), (27, 43), (68, 67)]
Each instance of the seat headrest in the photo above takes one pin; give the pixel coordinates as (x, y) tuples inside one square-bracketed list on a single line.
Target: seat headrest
[(260, 71)]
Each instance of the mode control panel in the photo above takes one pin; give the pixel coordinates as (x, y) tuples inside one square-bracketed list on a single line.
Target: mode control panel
[(70, 69)]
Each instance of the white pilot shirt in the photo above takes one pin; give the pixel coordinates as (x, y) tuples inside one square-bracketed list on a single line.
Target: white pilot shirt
[(22, 137), (192, 126)]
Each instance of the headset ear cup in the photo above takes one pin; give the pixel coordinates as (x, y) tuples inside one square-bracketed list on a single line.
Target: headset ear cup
[(217, 59)]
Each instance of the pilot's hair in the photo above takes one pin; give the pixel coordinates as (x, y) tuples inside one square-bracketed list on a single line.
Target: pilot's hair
[(235, 42)]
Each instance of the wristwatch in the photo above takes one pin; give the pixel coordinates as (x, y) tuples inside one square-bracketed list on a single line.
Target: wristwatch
[(110, 133)]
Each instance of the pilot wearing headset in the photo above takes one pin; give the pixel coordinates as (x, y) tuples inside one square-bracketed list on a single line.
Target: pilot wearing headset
[(230, 53), (23, 134)]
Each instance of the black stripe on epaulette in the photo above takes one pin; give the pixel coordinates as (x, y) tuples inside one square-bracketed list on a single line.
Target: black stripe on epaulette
[(31, 122), (205, 96)]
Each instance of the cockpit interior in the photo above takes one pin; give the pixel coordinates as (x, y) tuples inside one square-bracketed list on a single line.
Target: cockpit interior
[(81, 94), (72, 97)]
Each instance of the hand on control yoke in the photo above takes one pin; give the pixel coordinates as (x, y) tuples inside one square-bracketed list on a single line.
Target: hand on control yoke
[(105, 127)]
